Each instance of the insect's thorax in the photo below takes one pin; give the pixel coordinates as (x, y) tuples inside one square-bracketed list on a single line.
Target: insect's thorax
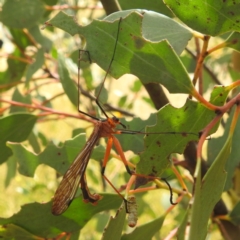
[(108, 126)]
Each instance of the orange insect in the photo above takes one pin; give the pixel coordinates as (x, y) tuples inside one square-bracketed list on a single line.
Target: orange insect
[(75, 175)]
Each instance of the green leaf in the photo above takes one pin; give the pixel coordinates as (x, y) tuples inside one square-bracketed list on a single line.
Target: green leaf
[(28, 161), (51, 2), (209, 17), (67, 83), (45, 43), (20, 38), (15, 70), (114, 227), (33, 141), (134, 142), (157, 27), (11, 171), (14, 128), (234, 41), (136, 86), (145, 231), (32, 68), (219, 95), (18, 97), (214, 146), (122, 101), (149, 61), (182, 228), (21, 14), (156, 6), (53, 156), (208, 192), (159, 145), (11, 231), (235, 214), (65, 22), (78, 214), (103, 97)]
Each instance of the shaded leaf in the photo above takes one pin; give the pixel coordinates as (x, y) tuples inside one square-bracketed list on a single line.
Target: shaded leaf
[(234, 41), (38, 62), (157, 27), (15, 69), (11, 231), (208, 192), (53, 156), (11, 171), (114, 227), (214, 146), (149, 61), (157, 6), (235, 214), (14, 13), (145, 231), (67, 83), (182, 227), (14, 128), (20, 38), (43, 40), (18, 97)]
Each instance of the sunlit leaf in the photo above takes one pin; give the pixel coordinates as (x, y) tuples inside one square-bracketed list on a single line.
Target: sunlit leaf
[(78, 214), (209, 17)]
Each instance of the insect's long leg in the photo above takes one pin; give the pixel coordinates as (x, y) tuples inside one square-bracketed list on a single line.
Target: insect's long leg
[(113, 140), (119, 194), (137, 190), (170, 189), (121, 153), (107, 153)]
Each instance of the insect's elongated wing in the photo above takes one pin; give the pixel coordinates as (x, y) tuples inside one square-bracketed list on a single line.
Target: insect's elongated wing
[(71, 179)]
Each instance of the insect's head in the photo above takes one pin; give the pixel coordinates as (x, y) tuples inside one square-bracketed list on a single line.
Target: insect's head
[(115, 121)]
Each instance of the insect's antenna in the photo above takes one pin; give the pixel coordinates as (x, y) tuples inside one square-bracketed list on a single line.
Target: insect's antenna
[(132, 132), (104, 79), (110, 64), (170, 189)]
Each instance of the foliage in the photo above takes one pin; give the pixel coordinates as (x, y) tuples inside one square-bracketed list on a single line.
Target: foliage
[(40, 132)]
